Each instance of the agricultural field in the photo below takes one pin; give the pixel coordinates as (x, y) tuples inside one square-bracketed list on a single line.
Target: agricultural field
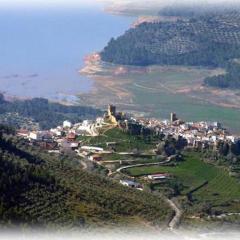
[(180, 90), (192, 173), (155, 91), (160, 103)]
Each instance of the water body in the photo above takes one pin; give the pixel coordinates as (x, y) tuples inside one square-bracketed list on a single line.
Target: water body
[(41, 51)]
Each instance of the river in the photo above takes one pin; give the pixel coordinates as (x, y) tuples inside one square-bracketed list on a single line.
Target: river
[(42, 50)]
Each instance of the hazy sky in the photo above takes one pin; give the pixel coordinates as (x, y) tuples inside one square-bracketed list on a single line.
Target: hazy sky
[(46, 3), (73, 3)]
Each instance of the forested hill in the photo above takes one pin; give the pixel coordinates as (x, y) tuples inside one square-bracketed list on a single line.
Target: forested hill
[(47, 114), (41, 189), (208, 40), (229, 80)]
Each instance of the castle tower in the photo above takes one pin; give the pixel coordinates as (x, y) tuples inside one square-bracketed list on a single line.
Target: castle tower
[(173, 117), (111, 110)]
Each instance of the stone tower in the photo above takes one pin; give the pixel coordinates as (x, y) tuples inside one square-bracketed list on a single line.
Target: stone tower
[(111, 110), (173, 117)]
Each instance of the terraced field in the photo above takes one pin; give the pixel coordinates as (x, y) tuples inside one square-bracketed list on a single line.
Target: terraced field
[(192, 173)]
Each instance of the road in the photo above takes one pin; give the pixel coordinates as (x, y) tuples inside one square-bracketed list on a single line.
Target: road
[(135, 165), (175, 221), (117, 161), (143, 165), (84, 164), (178, 212)]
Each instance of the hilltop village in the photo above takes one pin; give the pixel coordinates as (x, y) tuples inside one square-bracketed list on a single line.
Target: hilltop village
[(187, 163), (89, 141), (66, 137)]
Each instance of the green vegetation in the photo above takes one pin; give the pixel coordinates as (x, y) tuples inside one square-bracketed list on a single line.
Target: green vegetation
[(38, 188), (192, 173), (205, 182), (208, 40), (155, 91), (46, 113), (125, 142), (173, 77), (159, 102), (229, 80)]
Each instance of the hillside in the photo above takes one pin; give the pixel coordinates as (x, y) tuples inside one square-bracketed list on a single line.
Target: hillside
[(209, 40), (229, 80), (41, 189), (42, 112)]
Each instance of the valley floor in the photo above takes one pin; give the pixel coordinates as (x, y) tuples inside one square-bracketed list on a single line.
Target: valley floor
[(157, 90)]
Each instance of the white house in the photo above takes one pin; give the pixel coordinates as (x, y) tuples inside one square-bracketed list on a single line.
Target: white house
[(86, 123), (231, 138), (214, 138), (184, 126), (92, 149), (35, 135), (40, 135), (56, 132), (129, 183), (99, 121), (67, 124)]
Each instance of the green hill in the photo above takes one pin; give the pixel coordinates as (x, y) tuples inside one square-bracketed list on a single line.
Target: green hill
[(208, 40), (38, 188), (229, 80), (47, 114)]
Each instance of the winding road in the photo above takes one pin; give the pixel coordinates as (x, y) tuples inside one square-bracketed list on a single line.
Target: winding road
[(174, 222), (143, 165)]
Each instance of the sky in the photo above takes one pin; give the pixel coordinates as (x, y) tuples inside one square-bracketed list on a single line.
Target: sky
[(83, 3), (45, 3)]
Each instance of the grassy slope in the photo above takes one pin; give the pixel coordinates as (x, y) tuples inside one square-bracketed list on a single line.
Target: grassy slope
[(193, 172), (124, 141)]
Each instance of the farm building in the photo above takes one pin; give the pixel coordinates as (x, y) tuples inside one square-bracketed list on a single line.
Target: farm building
[(132, 184), (159, 176)]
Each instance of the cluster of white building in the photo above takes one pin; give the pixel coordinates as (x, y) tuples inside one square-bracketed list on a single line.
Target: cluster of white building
[(87, 127), (64, 136), (194, 132)]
